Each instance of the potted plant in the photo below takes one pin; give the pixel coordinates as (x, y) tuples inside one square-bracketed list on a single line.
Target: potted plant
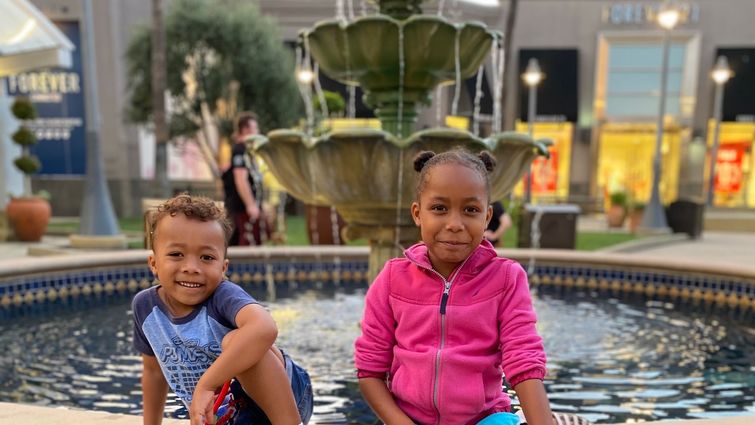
[(617, 211), (636, 210), (28, 214)]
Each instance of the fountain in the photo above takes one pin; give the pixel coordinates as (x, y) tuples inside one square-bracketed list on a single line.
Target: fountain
[(398, 57)]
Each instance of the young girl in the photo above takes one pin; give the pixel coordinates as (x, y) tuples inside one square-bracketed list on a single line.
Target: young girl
[(441, 325)]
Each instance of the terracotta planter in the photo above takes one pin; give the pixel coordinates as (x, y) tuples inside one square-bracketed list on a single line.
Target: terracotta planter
[(616, 215), (635, 218), (28, 217)]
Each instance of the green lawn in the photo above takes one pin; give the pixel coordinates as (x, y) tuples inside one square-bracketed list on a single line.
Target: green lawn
[(296, 234)]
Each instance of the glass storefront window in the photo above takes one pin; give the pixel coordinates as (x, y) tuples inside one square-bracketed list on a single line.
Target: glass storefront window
[(634, 79)]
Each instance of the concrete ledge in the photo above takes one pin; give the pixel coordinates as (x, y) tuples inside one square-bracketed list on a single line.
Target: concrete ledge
[(98, 242), (25, 414), (643, 244)]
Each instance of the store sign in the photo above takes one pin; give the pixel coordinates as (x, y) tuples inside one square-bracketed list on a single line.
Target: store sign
[(58, 96), (625, 13), (544, 173), (729, 167)]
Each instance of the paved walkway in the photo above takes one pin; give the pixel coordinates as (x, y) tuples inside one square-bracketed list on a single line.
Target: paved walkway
[(718, 247)]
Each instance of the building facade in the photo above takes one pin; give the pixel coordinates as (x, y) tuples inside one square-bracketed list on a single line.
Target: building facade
[(598, 101)]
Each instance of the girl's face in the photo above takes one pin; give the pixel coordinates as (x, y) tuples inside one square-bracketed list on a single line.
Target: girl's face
[(188, 258), (452, 213)]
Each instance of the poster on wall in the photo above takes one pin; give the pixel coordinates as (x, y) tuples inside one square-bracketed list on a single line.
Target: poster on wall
[(58, 95), (729, 167)]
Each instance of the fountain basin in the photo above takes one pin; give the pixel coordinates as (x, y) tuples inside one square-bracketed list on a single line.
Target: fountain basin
[(356, 170), (371, 51), (628, 338)]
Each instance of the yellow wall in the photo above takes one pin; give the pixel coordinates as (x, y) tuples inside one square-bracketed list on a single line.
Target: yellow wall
[(561, 133), (736, 132), (625, 160)]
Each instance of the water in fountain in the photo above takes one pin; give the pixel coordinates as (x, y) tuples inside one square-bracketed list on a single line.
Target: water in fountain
[(334, 226), (340, 14), (320, 93), (439, 106), (534, 238), (400, 184), (302, 64), (457, 67), (477, 98), (496, 56), (350, 5), (351, 112)]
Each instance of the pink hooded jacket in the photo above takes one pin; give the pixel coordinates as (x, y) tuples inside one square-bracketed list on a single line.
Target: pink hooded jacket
[(444, 343)]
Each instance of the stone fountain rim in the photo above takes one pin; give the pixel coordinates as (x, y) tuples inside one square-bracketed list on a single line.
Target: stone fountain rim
[(343, 24), (490, 142)]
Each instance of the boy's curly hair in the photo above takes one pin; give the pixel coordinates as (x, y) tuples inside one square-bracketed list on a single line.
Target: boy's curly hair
[(195, 207)]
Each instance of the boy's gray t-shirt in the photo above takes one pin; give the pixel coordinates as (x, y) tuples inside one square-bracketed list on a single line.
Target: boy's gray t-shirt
[(185, 347)]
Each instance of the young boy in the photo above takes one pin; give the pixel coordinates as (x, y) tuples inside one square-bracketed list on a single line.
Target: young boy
[(196, 330)]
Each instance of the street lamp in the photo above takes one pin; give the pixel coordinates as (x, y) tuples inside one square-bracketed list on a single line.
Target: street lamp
[(532, 77), (720, 74), (305, 76), (654, 218)]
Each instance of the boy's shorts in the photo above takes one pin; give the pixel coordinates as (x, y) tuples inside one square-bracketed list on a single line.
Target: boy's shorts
[(244, 411)]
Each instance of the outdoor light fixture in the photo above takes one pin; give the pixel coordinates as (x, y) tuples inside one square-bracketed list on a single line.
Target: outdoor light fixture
[(305, 76), (668, 16), (720, 74), (654, 218), (532, 77)]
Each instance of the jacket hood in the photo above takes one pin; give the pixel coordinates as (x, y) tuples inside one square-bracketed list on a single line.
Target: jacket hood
[(480, 257)]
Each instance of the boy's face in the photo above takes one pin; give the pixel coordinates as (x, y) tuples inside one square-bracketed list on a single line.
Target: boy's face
[(188, 258), (452, 214)]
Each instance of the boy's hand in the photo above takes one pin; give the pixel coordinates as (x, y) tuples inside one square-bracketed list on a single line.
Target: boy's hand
[(200, 410)]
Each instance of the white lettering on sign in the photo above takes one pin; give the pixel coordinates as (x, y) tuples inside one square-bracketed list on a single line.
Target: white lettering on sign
[(643, 13), (44, 83), (55, 128)]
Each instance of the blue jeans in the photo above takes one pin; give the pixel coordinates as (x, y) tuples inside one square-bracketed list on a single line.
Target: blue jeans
[(247, 412)]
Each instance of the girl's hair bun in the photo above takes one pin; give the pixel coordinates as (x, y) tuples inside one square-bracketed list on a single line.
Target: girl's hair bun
[(487, 160), (421, 159)]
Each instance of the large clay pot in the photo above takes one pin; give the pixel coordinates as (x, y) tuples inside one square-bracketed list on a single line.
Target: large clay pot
[(28, 217), (616, 215)]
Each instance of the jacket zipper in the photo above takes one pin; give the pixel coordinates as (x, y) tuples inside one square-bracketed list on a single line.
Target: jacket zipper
[(443, 303)]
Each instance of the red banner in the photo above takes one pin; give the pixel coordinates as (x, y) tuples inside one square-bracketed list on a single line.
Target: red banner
[(729, 167), (544, 173)]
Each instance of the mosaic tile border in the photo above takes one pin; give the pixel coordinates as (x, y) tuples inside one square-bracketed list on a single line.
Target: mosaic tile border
[(43, 284)]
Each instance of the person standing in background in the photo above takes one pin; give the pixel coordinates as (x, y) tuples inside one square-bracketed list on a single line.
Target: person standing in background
[(242, 184), (499, 223)]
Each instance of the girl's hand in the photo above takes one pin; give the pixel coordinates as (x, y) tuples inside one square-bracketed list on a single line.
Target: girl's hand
[(200, 410)]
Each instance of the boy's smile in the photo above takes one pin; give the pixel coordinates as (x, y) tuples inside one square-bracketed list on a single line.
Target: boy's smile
[(188, 258), (452, 213)]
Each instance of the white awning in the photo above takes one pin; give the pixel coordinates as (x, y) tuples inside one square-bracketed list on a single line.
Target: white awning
[(28, 40)]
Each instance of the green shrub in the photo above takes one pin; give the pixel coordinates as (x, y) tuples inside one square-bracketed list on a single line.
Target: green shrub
[(24, 137), (28, 164), (618, 198), (23, 109)]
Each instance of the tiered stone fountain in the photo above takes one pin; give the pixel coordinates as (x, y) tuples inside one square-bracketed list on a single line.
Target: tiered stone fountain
[(398, 57)]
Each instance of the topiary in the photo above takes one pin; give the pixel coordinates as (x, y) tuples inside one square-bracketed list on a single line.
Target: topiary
[(28, 164)]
